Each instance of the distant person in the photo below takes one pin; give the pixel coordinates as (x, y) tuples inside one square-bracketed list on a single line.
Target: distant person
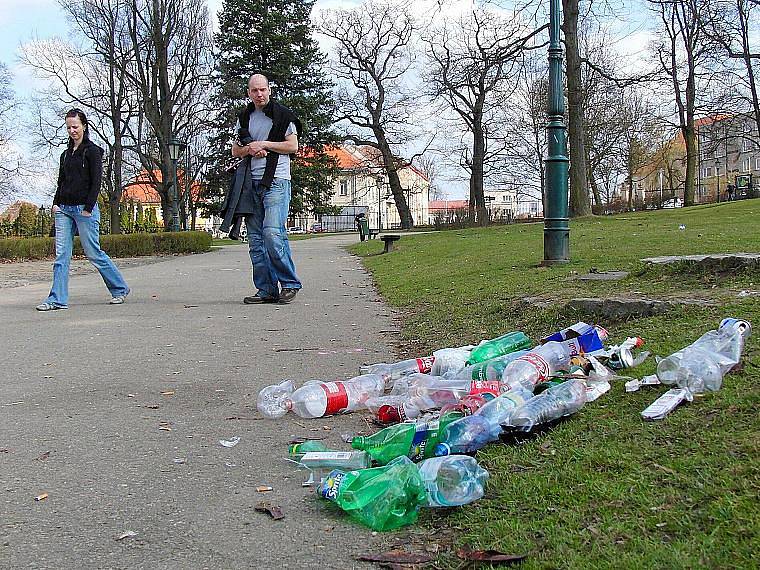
[(731, 191), (358, 221), (75, 207), (267, 134)]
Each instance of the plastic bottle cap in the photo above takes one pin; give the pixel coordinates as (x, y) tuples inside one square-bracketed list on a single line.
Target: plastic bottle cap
[(388, 414), (442, 449)]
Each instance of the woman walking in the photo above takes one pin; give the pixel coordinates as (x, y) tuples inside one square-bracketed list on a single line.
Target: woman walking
[(76, 206)]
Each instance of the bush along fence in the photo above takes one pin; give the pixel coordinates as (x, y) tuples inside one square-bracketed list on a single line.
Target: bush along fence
[(123, 245)]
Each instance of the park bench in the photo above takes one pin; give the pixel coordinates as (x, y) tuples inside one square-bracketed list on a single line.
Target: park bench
[(388, 241)]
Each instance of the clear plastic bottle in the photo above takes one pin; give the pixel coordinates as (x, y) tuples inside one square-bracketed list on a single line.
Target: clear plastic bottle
[(316, 398), (536, 366), (346, 460), (471, 433), (490, 369), (396, 370), (453, 480), (562, 400), (702, 365), (449, 361)]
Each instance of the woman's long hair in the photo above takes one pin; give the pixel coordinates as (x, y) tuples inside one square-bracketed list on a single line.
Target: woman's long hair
[(85, 123)]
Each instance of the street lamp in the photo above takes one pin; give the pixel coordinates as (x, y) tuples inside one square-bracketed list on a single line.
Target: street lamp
[(176, 147), (717, 180), (556, 226)]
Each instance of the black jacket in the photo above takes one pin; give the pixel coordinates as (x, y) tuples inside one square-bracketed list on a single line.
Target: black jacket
[(281, 118), (79, 176)]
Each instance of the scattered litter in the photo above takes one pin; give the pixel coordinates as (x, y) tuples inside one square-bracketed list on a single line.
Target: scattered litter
[(47, 377), (130, 395), (264, 489), (126, 534), (489, 556), (274, 511), (167, 393), (151, 406), (165, 426), (14, 403), (396, 557), (191, 306), (179, 461), (666, 403), (43, 456), (635, 384), (682, 227), (232, 442), (41, 497)]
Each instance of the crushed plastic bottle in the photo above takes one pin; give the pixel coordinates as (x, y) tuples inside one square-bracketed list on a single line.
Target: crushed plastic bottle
[(505, 344), (701, 366), (316, 399), (345, 460), (471, 433), (297, 450), (396, 370), (581, 338), (414, 394), (449, 361), (536, 366), (453, 480), (382, 498), (554, 403), (469, 404)]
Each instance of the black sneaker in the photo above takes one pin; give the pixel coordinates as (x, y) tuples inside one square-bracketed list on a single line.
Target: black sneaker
[(287, 295), (259, 300)]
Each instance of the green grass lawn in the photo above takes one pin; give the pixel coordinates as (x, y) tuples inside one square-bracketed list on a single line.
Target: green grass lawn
[(604, 489)]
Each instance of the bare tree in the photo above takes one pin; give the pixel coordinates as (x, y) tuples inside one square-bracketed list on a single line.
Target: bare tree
[(474, 64), (580, 205), (681, 53), (10, 162), (373, 58), (732, 25), (171, 74)]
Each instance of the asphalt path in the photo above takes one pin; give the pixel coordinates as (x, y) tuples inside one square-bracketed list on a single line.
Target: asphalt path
[(116, 413)]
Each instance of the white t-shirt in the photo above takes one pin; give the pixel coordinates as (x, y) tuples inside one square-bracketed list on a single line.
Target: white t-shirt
[(259, 126)]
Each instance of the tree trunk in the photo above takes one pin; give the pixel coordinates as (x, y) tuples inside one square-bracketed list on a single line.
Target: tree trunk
[(579, 198), (477, 198), (389, 163)]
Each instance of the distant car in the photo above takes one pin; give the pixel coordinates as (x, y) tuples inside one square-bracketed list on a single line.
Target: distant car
[(316, 228), (296, 230)]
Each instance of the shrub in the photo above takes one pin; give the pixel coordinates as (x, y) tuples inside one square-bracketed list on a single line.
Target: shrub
[(123, 245)]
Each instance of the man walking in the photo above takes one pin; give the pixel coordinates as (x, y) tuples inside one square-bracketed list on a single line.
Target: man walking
[(268, 134)]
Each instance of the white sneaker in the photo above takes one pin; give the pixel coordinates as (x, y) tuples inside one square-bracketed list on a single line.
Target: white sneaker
[(119, 299)]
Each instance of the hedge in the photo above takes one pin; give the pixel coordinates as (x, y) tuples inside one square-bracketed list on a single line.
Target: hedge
[(123, 245)]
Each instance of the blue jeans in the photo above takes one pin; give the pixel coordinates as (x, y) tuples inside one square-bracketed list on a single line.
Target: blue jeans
[(268, 242), (66, 219)]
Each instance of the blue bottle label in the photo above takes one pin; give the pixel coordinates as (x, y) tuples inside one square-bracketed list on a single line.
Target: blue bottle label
[(331, 485)]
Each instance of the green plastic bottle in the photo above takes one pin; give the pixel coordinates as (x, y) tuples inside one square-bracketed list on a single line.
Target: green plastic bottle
[(416, 441), (499, 346), (296, 451), (383, 498)]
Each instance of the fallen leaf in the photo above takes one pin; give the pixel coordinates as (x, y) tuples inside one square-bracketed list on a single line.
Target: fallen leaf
[(126, 534), (489, 556), (41, 497), (263, 489), (275, 511), (396, 557)]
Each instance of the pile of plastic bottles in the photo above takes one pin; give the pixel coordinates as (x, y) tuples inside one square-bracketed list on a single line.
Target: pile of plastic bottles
[(459, 400)]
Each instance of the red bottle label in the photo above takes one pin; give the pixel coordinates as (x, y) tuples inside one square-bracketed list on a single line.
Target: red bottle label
[(337, 397), (425, 364), (484, 387), (539, 363)]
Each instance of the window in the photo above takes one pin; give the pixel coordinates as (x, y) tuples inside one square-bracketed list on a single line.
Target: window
[(746, 144), (708, 172), (745, 165), (343, 188), (757, 163)]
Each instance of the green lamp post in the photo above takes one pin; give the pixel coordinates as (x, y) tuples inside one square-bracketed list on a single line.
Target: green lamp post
[(176, 147), (556, 225)]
